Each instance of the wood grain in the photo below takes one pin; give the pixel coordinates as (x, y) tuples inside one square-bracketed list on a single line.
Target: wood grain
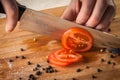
[(36, 51)]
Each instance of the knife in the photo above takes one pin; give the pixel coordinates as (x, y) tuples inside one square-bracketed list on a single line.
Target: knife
[(52, 26)]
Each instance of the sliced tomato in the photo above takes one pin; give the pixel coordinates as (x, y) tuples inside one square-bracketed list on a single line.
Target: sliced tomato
[(67, 56), (53, 60), (77, 39)]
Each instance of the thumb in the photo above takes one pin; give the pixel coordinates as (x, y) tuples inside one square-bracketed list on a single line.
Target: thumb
[(11, 10)]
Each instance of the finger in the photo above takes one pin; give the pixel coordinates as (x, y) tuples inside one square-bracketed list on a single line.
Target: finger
[(72, 10), (11, 10), (106, 19), (85, 12), (97, 13)]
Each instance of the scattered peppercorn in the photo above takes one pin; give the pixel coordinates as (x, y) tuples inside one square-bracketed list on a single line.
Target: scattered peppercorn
[(112, 56), (23, 57), (93, 76), (32, 77), (21, 49), (109, 30), (54, 79), (102, 60), (38, 65), (114, 63), (87, 67), (20, 78), (73, 78), (16, 57), (109, 62), (99, 70), (38, 73), (10, 60), (78, 70), (29, 63)]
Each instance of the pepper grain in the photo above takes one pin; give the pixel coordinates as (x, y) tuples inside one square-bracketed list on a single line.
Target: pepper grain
[(78, 70)]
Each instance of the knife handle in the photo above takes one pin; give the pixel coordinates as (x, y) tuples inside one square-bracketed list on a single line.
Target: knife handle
[(21, 9)]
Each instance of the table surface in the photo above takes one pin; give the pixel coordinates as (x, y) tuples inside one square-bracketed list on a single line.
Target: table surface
[(37, 48)]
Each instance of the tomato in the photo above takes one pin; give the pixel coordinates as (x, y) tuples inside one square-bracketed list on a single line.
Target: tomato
[(77, 39), (67, 56), (53, 60)]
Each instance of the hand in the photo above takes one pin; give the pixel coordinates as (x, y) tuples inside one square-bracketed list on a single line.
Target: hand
[(96, 14), (11, 11)]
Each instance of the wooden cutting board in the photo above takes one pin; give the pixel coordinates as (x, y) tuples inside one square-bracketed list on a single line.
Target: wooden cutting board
[(20, 47)]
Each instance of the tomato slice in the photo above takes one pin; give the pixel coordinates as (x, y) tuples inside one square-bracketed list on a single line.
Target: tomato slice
[(53, 60), (77, 39), (67, 56)]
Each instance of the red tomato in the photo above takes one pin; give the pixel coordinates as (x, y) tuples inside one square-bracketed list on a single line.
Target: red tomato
[(67, 56), (77, 39), (53, 60)]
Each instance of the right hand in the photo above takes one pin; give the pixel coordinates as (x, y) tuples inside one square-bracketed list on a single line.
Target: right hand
[(11, 11)]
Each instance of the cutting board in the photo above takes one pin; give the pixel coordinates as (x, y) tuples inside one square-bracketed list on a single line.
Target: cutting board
[(21, 51)]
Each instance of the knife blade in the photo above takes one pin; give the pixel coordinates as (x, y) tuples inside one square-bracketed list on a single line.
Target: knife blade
[(52, 26), (45, 24)]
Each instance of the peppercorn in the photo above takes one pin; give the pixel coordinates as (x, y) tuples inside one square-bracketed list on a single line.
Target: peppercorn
[(32, 77), (87, 67), (109, 62), (10, 60), (78, 70), (112, 56), (29, 63), (99, 70), (23, 57), (102, 60), (93, 76), (21, 49), (16, 57), (38, 73), (73, 78), (20, 78), (38, 65)]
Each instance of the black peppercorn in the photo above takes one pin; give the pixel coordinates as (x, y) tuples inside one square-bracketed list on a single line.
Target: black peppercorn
[(102, 60), (16, 57), (29, 63), (38, 73), (109, 62), (10, 60), (73, 78), (93, 76), (21, 49), (78, 70), (99, 70), (23, 57), (38, 65), (32, 77)]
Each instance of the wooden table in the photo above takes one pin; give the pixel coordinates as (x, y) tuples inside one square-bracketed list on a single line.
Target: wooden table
[(19, 48)]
